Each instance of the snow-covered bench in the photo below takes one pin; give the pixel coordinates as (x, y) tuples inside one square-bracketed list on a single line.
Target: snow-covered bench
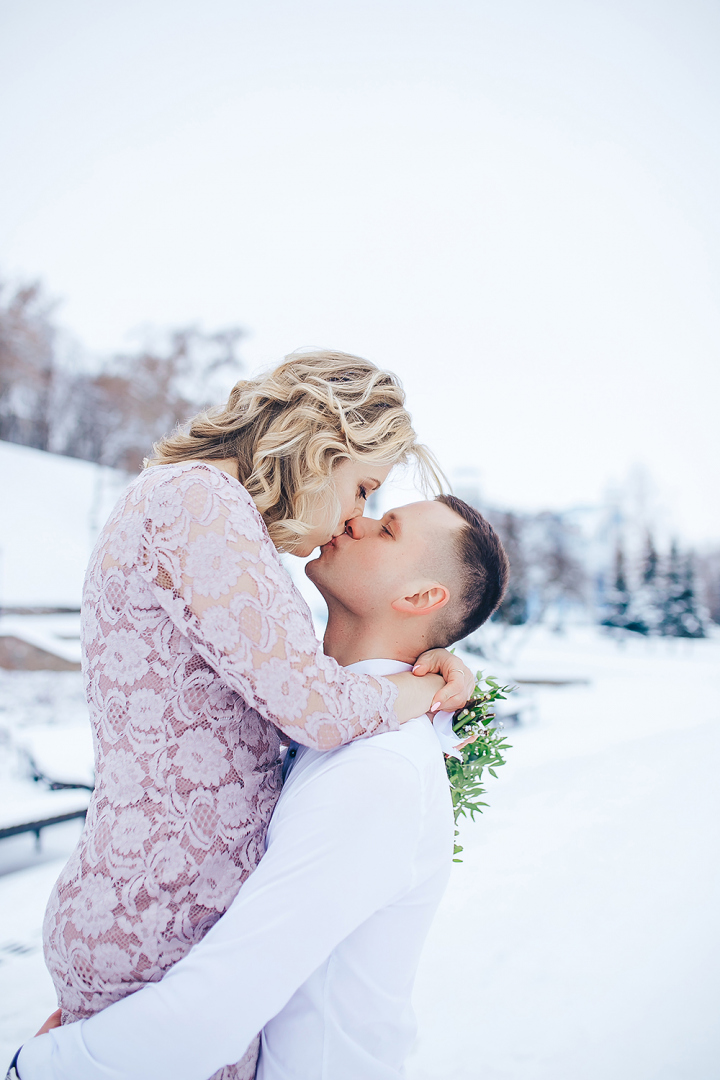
[(33, 802), (24, 808)]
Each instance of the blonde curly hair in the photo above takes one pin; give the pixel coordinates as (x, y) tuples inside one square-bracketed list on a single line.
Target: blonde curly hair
[(289, 427)]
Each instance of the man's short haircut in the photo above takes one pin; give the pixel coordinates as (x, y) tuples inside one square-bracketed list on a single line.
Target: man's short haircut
[(484, 571)]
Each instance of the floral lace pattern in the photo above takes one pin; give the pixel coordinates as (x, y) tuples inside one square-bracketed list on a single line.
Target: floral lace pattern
[(197, 648)]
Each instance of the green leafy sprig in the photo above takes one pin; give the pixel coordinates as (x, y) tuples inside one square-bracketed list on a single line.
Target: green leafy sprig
[(485, 751)]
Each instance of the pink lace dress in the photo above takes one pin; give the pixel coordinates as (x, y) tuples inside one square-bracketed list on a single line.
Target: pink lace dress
[(197, 647)]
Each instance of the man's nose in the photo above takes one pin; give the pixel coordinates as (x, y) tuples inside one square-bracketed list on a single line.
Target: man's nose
[(360, 527), (354, 527)]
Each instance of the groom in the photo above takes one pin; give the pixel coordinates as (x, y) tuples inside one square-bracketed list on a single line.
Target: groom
[(321, 945)]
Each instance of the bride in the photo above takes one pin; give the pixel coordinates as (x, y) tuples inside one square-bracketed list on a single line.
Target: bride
[(199, 654)]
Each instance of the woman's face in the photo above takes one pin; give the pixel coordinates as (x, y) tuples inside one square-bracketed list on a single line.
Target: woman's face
[(354, 483)]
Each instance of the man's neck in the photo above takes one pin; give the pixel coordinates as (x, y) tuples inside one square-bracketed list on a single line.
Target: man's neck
[(349, 640)]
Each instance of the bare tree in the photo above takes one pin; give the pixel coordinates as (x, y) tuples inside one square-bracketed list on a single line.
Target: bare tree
[(559, 575), (107, 411), (510, 527), (27, 366), (140, 396)]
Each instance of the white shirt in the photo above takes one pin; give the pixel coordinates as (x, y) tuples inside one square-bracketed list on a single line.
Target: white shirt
[(319, 948)]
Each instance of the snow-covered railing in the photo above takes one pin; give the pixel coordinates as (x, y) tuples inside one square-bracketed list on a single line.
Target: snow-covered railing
[(31, 801), (42, 823)]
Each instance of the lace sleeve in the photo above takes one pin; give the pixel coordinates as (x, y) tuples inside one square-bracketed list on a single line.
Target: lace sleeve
[(206, 555)]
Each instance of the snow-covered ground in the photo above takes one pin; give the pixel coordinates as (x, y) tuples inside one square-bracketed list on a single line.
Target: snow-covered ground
[(52, 510), (579, 938)]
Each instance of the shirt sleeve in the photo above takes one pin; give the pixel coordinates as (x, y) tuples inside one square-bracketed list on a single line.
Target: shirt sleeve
[(206, 556), (327, 869)]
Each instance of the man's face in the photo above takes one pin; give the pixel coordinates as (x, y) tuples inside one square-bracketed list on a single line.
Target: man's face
[(375, 562)]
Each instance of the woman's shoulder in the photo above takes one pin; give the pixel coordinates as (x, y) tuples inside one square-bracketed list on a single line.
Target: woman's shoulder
[(188, 474), (190, 483)]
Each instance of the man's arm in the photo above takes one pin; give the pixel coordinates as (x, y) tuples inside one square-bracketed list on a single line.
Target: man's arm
[(341, 848)]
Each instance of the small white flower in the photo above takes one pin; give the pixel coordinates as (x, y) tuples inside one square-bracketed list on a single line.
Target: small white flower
[(201, 757), (220, 628), (120, 779), (124, 538), (212, 565), (283, 688), (146, 710), (125, 657), (139, 596), (98, 902), (147, 925), (132, 829), (166, 504), (234, 806), (171, 862), (112, 963), (215, 881), (99, 836)]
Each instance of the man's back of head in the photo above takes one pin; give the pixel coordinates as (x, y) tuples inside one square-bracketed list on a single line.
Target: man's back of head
[(482, 571)]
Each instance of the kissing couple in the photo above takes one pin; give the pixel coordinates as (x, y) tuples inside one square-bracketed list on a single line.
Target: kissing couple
[(257, 874)]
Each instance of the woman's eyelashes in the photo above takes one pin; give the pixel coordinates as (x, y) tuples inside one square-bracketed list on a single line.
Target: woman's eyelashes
[(363, 492)]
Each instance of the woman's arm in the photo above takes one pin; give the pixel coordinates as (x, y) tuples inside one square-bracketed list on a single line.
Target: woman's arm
[(415, 695), (437, 673), (205, 554)]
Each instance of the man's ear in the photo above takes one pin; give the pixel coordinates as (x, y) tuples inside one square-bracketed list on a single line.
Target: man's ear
[(424, 602)]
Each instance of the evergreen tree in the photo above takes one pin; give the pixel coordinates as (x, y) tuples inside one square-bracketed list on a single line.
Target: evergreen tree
[(650, 569), (708, 578), (681, 617), (618, 595), (646, 608)]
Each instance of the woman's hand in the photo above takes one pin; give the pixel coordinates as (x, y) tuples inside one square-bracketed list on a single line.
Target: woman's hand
[(53, 1021), (459, 679)]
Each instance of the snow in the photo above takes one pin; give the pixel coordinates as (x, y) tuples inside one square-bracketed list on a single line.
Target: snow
[(52, 510), (27, 996), (44, 714), (579, 937)]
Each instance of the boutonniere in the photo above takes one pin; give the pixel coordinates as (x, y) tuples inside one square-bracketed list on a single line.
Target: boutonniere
[(481, 746)]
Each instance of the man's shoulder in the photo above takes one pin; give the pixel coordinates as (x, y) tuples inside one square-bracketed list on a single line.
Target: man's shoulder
[(415, 738), (401, 774), (413, 748)]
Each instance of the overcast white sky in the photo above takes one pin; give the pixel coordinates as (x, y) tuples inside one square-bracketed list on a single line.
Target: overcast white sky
[(513, 204)]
